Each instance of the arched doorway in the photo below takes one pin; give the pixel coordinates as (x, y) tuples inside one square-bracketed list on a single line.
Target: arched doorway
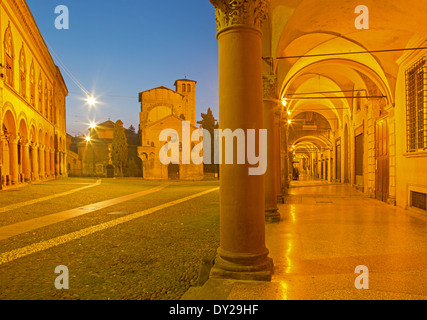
[(173, 171)]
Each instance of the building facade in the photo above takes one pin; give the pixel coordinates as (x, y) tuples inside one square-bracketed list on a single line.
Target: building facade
[(32, 101), (163, 108)]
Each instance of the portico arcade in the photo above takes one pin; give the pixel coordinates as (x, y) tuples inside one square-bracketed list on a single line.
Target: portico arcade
[(355, 108)]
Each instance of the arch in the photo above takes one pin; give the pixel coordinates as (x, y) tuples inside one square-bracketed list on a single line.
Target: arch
[(302, 67), (22, 126), (32, 136), (319, 141), (9, 123)]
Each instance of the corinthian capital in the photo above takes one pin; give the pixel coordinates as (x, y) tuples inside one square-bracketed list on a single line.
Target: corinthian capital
[(270, 87), (230, 13)]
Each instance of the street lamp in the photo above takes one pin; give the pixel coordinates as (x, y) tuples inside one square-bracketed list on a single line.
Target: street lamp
[(91, 101)]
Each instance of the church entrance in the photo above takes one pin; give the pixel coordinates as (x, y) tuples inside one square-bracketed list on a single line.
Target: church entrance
[(173, 172)]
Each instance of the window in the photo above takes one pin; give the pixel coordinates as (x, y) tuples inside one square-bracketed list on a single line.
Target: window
[(32, 85), (188, 87), (416, 120), (183, 87), (8, 56), (50, 105), (40, 91), (46, 105), (22, 74)]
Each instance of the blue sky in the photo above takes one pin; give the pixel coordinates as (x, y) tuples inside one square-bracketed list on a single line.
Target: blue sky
[(118, 48)]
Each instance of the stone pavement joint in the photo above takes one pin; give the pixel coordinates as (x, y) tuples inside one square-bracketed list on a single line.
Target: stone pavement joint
[(37, 223), (30, 202), (45, 245)]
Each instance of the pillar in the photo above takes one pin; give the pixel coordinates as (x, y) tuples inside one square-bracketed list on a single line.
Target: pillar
[(26, 166), (47, 160), (52, 162), (42, 164), (270, 103), (277, 157), (65, 165), (242, 253), (285, 164), (35, 166), (60, 163), (57, 163), (13, 159)]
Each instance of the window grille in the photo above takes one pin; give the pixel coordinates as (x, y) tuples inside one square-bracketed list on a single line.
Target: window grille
[(416, 113)]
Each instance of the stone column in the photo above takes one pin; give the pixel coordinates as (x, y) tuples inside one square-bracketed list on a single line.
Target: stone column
[(270, 103), (34, 156), (47, 160), (242, 254), (284, 147), (26, 167), (57, 163), (277, 157), (42, 164), (52, 162), (60, 162), (13, 159), (65, 165)]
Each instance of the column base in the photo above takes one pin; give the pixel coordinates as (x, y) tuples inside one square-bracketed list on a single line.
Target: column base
[(242, 267), (272, 215), (281, 199), (392, 201)]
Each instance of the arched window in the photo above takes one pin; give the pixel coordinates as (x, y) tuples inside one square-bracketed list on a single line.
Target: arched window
[(183, 87), (50, 105), (22, 73), (46, 105), (40, 92), (32, 85), (188, 87), (8, 56)]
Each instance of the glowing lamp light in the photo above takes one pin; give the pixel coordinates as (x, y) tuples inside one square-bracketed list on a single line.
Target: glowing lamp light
[(92, 125), (91, 101), (290, 121), (284, 102), (88, 138)]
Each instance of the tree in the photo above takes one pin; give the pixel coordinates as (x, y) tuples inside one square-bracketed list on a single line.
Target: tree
[(119, 150), (132, 129), (210, 124)]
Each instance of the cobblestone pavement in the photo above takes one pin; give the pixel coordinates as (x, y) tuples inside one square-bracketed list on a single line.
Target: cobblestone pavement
[(154, 256)]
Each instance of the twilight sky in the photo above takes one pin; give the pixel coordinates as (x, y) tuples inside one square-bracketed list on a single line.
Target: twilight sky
[(118, 48)]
